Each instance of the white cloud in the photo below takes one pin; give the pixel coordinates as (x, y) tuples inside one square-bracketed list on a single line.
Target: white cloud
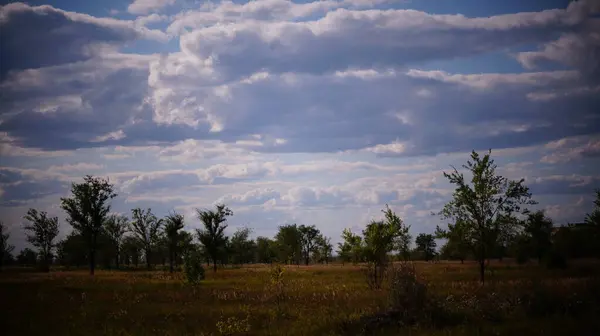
[(148, 6)]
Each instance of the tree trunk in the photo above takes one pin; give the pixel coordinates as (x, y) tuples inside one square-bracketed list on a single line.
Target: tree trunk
[(148, 259), (92, 261)]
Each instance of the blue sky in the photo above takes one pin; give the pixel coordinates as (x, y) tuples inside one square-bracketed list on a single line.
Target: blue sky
[(296, 112)]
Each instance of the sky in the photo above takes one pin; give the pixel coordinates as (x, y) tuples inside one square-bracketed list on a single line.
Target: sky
[(307, 112)]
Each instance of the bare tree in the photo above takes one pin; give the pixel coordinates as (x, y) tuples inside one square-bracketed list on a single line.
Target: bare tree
[(42, 231), (87, 210), (146, 229)]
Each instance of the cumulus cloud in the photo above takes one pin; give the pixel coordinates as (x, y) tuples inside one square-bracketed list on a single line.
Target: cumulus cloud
[(147, 6), (570, 149)]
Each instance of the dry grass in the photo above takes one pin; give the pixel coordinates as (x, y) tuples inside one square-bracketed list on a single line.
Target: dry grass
[(315, 300)]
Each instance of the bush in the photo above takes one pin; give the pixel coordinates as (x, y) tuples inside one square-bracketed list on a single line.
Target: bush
[(556, 260), (193, 269), (374, 274)]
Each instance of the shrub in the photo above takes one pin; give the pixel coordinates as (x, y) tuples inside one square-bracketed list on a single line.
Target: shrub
[(556, 260), (374, 274), (193, 269)]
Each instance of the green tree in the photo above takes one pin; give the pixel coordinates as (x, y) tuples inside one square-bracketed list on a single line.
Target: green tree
[(459, 237), (538, 230), (289, 244), (308, 241), (131, 251), (241, 246), (426, 245), (5, 248), (593, 218), (403, 245), (115, 227), (69, 250), (351, 247), (87, 210), (41, 233), (212, 237), (323, 249), (173, 224), (146, 229), (265, 250), (485, 203)]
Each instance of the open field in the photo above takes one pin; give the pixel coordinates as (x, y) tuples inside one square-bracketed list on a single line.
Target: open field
[(314, 300)]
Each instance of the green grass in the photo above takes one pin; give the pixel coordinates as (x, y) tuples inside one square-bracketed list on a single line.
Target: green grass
[(317, 300)]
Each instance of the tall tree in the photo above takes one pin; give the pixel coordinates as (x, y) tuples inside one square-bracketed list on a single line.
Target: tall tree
[(87, 210), (308, 240), (538, 230), (116, 226), (265, 250), (289, 244), (174, 223), (213, 236), (426, 245), (41, 233), (131, 251), (481, 203), (5, 248), (146, 229), (324, 248), (26, 257), (70, 248)]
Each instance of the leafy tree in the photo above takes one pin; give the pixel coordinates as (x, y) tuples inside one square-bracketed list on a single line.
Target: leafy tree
[(174, 223), (289, 244), (87, 210), (212, 237), (116, 226), (5, 248), (308, 240), (185, 243), (593, 218), (383, 237), (70, 248), (42, 231), (27, 257), (484, 204), (323, 249), (538, 230), (459, 239), (265, 250), (351, 247), (403, 245), (131, 250), (241, 246), (146, 229), (426, 245)]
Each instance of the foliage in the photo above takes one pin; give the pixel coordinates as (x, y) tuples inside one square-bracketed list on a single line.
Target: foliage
[(487, 205), (289, 244), (5, 248), (146, 229), (41, 233), (27, 257), (426, 245), (87, 210), (242, 248), (192, 268), (351, 247), (115, 227), (309, 236), (266, 250), (458, 245), (538, 234), (173, 224), (212, 237)]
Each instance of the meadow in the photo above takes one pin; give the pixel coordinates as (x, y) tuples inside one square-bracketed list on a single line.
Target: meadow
[(304, 300)]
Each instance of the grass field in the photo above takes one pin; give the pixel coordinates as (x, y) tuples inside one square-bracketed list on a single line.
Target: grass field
[(312, 300)]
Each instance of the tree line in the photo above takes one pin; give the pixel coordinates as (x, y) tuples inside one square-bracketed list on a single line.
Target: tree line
[(487, 217)]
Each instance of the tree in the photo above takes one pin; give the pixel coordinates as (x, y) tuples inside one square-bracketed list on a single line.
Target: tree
[(174, 223), (69, 250), (323, 248), (5, 248), (351, 247), (265, 250), (146, 229), (241, 246), (404, 242), (289, 244), (485, 204), (459, 239), (383, 237), (426, 245), (212, 237), (116, 226), (308, 240), (42, 231), (87, 210), (538, 230), (27, 257), (131, 251), (593, 218)]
